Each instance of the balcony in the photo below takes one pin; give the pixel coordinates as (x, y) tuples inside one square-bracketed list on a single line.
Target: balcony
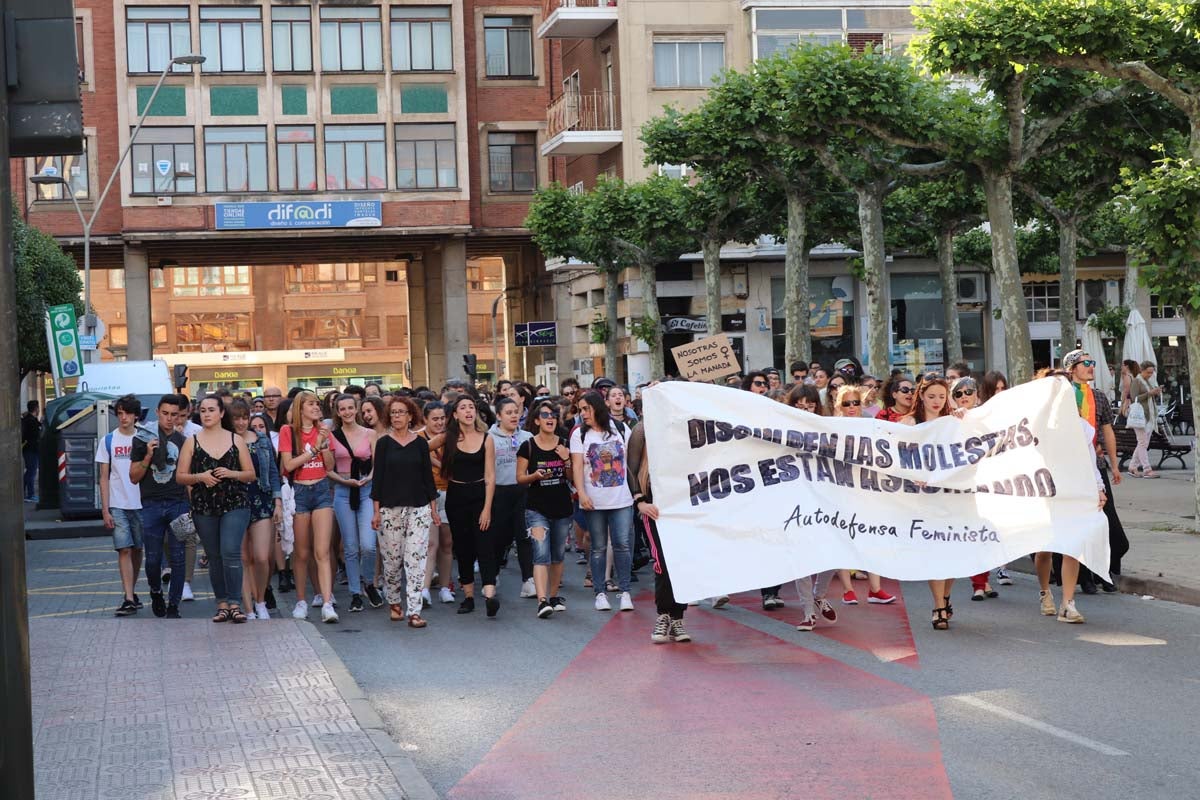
[(582, 124), (576, 19)]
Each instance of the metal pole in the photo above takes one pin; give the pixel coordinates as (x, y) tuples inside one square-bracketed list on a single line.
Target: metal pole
[(16, 721), (495, 346)]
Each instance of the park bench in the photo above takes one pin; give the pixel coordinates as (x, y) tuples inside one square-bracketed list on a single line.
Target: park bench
[(1182, 420), (1127, 442)]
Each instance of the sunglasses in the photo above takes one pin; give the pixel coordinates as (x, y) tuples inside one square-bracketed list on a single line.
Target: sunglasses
[(961, 392), (798, 376), (904, 390), (848, 403), (758, 383), (1086, 363), (546, 415)]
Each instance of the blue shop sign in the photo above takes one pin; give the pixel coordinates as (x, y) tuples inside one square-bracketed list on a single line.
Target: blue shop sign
[(300, 214)]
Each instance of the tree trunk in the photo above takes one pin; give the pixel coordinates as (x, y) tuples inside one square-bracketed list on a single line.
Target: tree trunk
[(870, 220), (650, 315), (611, 289), (945, 257), (997, 188), (1068, 252), (1129, 298), (711, 248), (1191, 318), (797, 344)]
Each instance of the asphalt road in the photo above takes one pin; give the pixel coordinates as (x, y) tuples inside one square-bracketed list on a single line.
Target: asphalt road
[(1006, 704)]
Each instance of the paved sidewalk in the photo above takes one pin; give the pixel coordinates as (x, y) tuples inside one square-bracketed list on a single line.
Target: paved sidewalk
[(264, 710)]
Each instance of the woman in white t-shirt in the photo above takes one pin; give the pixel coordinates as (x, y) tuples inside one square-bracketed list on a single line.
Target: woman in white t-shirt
[(599, 466)]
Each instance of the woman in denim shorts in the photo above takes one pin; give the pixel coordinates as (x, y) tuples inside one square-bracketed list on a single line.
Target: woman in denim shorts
[(544, 465)]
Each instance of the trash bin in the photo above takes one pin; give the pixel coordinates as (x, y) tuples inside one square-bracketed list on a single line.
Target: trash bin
[(59, 411)]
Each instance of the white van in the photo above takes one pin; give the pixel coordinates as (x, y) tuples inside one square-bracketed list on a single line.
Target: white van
[(126, 377)]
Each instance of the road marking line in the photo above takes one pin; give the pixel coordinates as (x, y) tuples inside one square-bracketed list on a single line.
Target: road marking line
[(44, 589), (1044, 727), (82, 550), (67, 613)]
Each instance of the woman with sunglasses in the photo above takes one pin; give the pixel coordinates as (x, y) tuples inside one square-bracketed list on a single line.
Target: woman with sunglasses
[(964, 395), (897, 396), (508, 507), (933, 402), (848, 403), (544, 465)]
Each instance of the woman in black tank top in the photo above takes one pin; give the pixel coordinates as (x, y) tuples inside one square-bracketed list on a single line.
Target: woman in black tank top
[(469, 465)]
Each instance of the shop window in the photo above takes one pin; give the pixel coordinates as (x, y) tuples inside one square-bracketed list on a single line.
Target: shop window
[(325, 328), (73, 168), (351, 39), (1042, 301), (324, 278), (354, 157), (421, 39), (210, 281), (154, 35), (291, 39), (235, 159), (425, 157), (830, 319), (213, 333), (512, 162), (918, 325), (231, 39), (296, 157), (164, 161), (397, 330), (508, 46)]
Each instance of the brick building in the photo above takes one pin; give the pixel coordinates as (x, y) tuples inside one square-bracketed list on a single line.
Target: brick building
[(336, 177)]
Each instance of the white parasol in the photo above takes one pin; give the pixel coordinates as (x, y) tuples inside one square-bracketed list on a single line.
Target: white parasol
[(1094, 346), (1137, 339)]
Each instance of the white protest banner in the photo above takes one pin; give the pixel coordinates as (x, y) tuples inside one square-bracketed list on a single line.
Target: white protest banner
[(753, 493)]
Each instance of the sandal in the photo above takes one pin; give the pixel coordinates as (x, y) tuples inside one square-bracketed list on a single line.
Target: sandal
[(415, 621), (587, 581), (223, 615), (236, 616), (949, 608), (940, 621), (611, 586)]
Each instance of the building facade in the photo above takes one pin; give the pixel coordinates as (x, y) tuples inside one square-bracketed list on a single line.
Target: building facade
[(341, 177)]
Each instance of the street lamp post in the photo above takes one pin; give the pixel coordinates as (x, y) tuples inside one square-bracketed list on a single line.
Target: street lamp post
[(89, 319)]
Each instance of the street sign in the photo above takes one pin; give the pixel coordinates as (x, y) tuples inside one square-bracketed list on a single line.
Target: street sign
[(87, 342), (66, 357), (535, 334)]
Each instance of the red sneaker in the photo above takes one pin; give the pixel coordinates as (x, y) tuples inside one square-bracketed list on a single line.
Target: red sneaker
[(880, 597), (827, 611), (850, 598), (807, 624)]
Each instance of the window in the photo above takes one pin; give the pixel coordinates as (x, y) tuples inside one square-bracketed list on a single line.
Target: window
[(861, 29), (354, 157), (351, 39), (421, 39), (210, 281), (425, 157), (484, 276), (370, 273), (371, 329), (508, 43), (325, 328), (155, 35), (296, 155), (73, 168), (1041, 301), (291, 39), (397, 330), (164, 161), (231, 39), (322, 278), (157, 280), (512, 162), (1160, 311), (118, 336), (392, 275), (677, 171), (687, 63), (80, 55), (116, 278), (235, 159), (479, 328), (213, 333)]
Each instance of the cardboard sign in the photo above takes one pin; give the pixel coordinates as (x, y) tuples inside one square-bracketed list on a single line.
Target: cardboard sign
[(707, 359)]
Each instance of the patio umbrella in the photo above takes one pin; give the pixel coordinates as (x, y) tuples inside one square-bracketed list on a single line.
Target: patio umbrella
[(1137, 339), (1094, 347)]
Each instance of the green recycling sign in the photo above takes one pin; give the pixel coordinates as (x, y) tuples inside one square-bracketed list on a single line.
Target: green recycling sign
[(62, 334)]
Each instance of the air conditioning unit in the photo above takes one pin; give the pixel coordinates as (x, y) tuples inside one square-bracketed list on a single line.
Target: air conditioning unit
[(1093, 296), (972, 289)]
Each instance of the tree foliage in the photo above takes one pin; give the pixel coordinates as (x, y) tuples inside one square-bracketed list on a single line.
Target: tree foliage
[(45, 276)]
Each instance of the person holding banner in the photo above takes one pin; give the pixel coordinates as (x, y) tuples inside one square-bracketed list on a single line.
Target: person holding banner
[(812, 588), (964, 395), (757, 382), (932, 401), (897, 398)]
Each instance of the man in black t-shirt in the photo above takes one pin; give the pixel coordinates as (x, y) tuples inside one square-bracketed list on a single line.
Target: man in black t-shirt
[(152, 467)]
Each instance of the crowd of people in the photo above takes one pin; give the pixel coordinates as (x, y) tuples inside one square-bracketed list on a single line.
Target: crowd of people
[(408, 495)]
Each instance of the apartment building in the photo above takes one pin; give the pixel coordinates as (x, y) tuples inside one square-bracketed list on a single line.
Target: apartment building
[(337, 193)]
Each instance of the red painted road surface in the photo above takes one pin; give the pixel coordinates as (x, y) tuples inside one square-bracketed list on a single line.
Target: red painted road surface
[(880, 630), (734, 714)]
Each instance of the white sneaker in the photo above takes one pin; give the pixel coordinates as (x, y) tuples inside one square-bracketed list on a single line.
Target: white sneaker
[(426, 600), (300, 611), (602, 602), (720, 601), (626, 602), (445, 595), (328, 614), (187, 592), (251, 616), (527, 589), (260, 609), (318, 600)]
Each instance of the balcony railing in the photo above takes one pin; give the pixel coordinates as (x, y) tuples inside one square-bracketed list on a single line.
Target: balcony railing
[(550, 6), (583, 111), (576, 19)]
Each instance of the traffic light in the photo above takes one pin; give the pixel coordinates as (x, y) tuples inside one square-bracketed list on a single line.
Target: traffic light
[(45, 116), (181, 378), (470, 361)]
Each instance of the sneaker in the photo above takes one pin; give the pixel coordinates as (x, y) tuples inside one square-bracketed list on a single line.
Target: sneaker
[(187, 592), (137, 601), (127, 609), (269, 599), (771, 601), (678, 632), (559, 604), (881, 597), (262, 611), (426, 600), (356, 603), (545, 610), (318, 600), (300, 611), (527, 589), (445, 595), (662, 629), (850, 598), (251, 616), (1068, 613), (1108, 588), (173, 611), (827, 610), (602, 602), (1003, 578), (467, 605), (492, 604), (807, 624), (328, 614), (979, 594), (375, 598), (157, 604), (626, 602), (166, 578), (1047, 602), (581, 561), (721, 601)]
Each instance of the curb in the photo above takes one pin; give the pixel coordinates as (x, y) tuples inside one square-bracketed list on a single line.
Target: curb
[(411, 781), (43, 531), (1129, 584)]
